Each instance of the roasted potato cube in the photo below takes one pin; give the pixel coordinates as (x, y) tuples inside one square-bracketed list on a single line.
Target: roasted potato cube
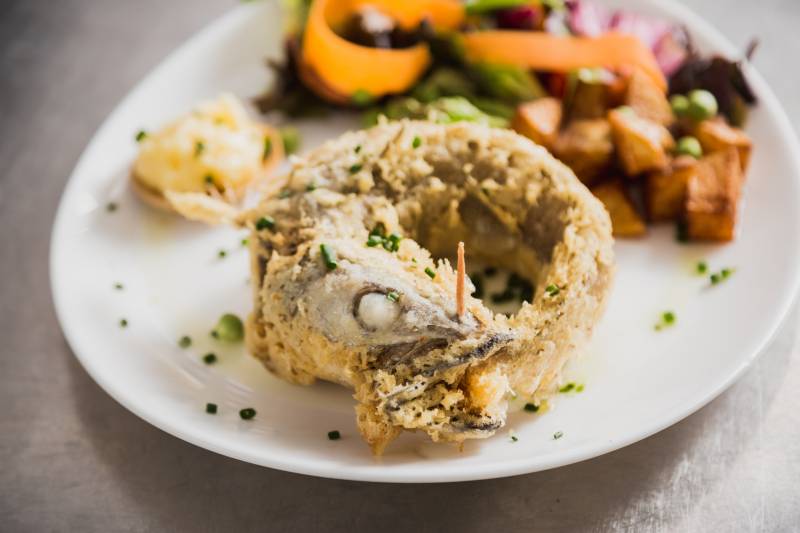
[(539, 120), (712, 196), (586, 147), (589, 96), (625, 220), (641, 143), (716, 134), (665, 192), (647, 99)]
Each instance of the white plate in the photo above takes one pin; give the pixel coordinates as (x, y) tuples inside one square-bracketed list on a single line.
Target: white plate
[(637, 381)]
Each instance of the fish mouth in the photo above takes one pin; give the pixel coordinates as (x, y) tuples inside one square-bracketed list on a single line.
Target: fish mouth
[(434, 396)]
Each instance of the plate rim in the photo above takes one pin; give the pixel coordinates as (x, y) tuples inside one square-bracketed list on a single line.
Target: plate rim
[(490, 469)]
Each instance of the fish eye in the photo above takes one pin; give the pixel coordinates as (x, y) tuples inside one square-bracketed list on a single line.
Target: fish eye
[(377, 311)]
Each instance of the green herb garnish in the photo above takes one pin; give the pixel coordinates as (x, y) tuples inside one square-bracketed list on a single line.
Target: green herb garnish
[(557, 435), (123, 323), (199, 147), (247, 413), (702, 267), (221, 254), (334, 435), (429, 271), (210, 358), (356, 168), (392, 242), (552, 290), (328, 256), (267, 149), (291, 139), (417, 142), (392, 296), (361, 98), (245, 242), (374, 240), (531, 408), (140, 136), (265, 222), (721, 276), (579, 388), (311, 187), (357, 149), (668, 318), (211, 408), (567, 388), (185, 341), (118, 286), (209, 179), (513, 438), (229, 328)]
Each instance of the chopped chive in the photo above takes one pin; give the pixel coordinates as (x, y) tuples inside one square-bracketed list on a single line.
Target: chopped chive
[(514, 438), (334, 435), (247, 413), (211, 408), (392, 242), (285, 193), (245, 242), (531, 408), (379, 229), (229, 328), (374, 240), (328, 256), (715, 278), (210, 358), (199, 147), (221, 254), (392, 296), (214, 334), (417, 142), (356, 168), (557, 435), (357, 149), (140, 136), (267, 149), (209, 179), (291, 139), (123, 323), (568, 387), (185, 341), (552, 290), (118, 286), (429, 271), (579, 388), (668, 317), (311, 187), (702, 267), (265, 222), (726, 272), (111, 207)]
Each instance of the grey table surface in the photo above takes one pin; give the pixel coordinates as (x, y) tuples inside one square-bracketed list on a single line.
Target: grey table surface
[(72, 459)]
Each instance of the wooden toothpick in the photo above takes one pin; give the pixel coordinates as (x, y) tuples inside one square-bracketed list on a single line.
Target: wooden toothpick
[(460, 274)]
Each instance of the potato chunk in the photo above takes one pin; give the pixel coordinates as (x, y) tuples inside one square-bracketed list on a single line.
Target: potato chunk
[(539, 120), (625, 220), (586, 147), (665, 192), (716, 134), (647, 99), (712, 197), (641, 143)]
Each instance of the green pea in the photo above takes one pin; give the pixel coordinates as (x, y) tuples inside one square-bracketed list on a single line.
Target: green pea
[(702, 105), (689, 146), (229, 328), (680, 105)]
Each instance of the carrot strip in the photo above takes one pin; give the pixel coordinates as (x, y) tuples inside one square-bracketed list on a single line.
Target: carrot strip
[(340, 69), (543, 51), (460, 280)]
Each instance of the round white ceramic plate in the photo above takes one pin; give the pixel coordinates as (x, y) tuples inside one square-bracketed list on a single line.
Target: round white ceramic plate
[(637, 381)]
